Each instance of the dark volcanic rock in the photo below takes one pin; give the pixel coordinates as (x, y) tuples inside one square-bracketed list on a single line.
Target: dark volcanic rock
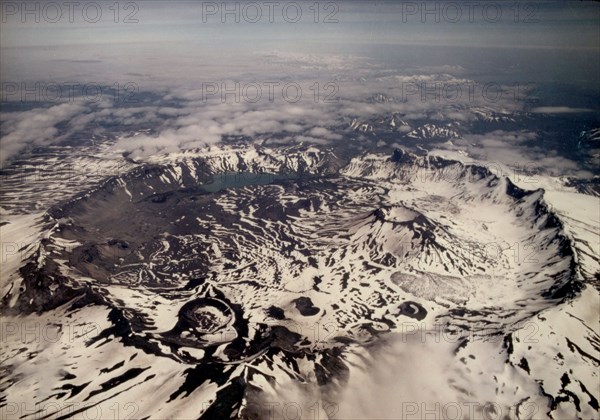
[(413, 310), (276, 313), (305, 306)]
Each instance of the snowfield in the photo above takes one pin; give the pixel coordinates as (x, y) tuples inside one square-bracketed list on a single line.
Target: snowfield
[(384, 287)]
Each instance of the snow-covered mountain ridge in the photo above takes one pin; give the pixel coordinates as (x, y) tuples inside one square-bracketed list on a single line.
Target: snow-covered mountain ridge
[(208, 303)]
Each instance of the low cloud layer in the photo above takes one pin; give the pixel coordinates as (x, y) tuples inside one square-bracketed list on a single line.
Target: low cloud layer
[(303, 98), (516, 150), (36, 127), (408, 376)]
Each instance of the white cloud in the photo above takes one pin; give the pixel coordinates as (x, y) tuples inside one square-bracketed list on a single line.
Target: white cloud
[(35, 127), (324, 133), (513, 150)]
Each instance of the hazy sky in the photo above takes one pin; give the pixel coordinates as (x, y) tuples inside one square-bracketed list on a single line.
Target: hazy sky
[(177, 40)]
